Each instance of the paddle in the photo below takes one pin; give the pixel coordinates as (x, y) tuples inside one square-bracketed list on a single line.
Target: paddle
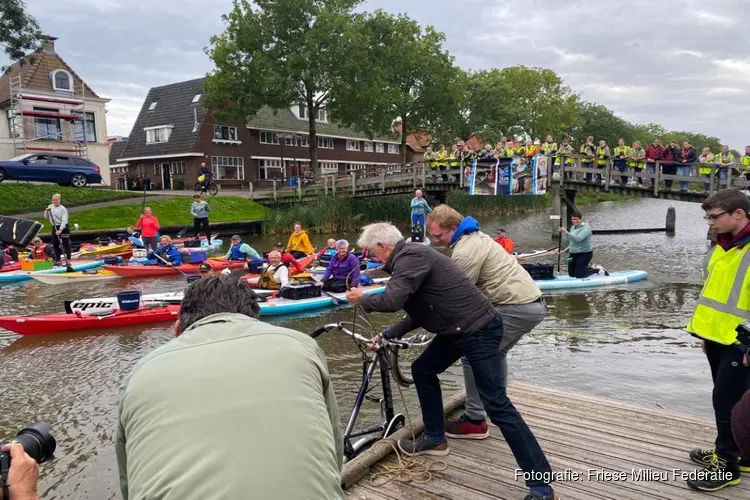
[(170, 265), (182, 233), (559, 239)]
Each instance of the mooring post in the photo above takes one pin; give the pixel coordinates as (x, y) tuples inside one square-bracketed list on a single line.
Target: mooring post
[(671, 220), (556, 210), (274, 189)]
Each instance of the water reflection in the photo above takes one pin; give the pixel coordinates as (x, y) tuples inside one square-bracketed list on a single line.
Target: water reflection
[(624, 342)]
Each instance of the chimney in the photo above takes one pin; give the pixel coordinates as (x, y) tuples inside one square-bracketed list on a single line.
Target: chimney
[(48, 43)]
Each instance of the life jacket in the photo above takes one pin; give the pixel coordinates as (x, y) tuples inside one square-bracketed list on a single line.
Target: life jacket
[(442, 157), (38, 253), (267, 280), (236, 254), (745, 163), (639, 163), (601, 152), (567, 151), (455, 159), (549, 148)]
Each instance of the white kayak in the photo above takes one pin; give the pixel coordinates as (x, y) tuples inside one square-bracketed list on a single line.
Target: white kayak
[(534, 253), (98, 274)]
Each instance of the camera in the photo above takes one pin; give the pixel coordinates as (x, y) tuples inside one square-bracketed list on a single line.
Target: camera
[(37, 442), (743, 336)]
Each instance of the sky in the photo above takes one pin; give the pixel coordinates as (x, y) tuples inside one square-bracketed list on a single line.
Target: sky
[(681, 63)]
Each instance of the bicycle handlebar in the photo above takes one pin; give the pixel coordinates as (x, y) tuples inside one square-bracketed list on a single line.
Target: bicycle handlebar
[(338, 326)]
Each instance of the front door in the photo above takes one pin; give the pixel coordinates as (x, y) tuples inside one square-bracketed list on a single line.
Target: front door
[(166, 177)]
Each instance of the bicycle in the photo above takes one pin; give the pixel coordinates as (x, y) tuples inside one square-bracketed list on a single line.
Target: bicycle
[(385, 355), (211, 188)]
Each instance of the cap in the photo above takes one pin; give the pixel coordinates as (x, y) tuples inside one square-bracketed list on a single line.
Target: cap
[(236, 237), (279, 244), (205, 268), (500, 231)]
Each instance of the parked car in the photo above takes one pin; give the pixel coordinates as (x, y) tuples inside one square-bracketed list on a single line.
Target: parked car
[(66, 170)]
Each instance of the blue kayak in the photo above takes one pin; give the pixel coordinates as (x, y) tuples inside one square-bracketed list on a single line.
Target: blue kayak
[(275, 306), (77, 265), (596, 280)]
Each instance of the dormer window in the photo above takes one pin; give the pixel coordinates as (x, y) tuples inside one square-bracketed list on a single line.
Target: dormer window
[(61, 80), (152, 106), (321, 115), (158, 134)]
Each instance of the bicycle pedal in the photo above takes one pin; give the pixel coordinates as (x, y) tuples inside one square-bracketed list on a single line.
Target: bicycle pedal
[(373, 399)]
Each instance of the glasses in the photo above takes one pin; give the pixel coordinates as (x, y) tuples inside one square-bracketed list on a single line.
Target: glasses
[(714, 217)]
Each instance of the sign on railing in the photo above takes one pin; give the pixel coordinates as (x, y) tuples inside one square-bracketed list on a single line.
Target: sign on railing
[(509, 176)]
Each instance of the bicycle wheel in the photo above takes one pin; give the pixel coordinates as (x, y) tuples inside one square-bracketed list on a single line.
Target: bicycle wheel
[(198, 188), (213, 189), (401, 359)]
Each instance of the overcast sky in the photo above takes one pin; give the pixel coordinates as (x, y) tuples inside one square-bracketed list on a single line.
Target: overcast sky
[(681, 63)]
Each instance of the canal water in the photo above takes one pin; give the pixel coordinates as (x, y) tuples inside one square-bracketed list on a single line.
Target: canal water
[(625, 342)]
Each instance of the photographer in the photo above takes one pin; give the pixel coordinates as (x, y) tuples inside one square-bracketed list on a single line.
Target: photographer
[(22, 475), (231, 408), (723, 304)]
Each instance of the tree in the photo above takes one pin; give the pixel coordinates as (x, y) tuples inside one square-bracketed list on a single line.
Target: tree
[(397, 71), (279, 53), (19, 31), (602, 123)]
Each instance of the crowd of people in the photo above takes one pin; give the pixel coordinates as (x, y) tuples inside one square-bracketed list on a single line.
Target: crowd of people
[(674, 159), (235, 405)]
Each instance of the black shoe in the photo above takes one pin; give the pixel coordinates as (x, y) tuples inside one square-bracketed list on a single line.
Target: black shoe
[(537, 496), (704, 457), (423, 446), (716, 476)]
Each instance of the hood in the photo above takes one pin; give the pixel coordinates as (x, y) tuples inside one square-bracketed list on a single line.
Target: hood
[(727, 241), (467, 226)]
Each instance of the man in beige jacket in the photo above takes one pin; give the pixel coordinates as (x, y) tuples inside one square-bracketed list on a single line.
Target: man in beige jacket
[(232, 408), (508, 286)]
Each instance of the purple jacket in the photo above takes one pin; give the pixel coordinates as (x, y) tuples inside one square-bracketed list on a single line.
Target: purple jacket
[(339, 269)]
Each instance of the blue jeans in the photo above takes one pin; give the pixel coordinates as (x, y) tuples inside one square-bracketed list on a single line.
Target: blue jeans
[(417, 220), (482, 350), (685, 170)]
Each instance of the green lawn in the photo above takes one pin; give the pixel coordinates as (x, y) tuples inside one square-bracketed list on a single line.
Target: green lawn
[(170, 212), (20, 198)]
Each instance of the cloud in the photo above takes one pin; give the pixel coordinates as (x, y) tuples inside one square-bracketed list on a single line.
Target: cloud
[(681, 63)]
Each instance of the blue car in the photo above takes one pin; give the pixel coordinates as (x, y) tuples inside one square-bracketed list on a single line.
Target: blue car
[(65, 170)]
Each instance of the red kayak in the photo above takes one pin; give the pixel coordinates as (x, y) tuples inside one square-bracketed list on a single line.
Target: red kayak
[(63, 322), (11, 267), (140, 271)]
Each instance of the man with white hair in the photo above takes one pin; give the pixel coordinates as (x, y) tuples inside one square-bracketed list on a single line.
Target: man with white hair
[(439, 297)]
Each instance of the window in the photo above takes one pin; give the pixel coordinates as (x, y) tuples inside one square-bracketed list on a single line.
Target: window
[(325, 142), (352, 145), (368, 147), (225, 133), (158, 135), (141, 170), (80, 162), (196, 98), (270, 169), (297, 140), (179, 167), (38, 159), (353, 167), (88, 124), (268, 137), (47, 128), (152, 106), (320, 116), (329, 168), (61, 80), (156, 168), (60, 160), (392, 149), (228, 168), (379, 147)]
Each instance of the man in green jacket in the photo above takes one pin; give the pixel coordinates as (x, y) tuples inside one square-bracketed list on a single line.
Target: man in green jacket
[(231, 408)]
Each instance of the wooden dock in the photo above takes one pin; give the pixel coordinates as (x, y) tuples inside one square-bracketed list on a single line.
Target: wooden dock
[(580, 434)]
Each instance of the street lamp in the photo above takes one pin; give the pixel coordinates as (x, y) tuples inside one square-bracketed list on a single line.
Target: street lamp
[(282, 141)]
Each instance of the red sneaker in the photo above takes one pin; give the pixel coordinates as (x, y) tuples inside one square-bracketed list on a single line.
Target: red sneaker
[(463, 428)]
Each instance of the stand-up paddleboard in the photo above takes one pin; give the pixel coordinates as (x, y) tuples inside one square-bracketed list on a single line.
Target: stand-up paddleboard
[(594, 281), (80, 265)]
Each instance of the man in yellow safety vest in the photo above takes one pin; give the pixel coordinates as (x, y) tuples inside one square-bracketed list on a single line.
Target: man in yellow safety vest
[(746, 163), (622, 155), (725, 159), (723, 305), (442, 161)]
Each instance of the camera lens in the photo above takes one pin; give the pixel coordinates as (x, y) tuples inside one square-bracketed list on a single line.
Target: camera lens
[(38, 442)]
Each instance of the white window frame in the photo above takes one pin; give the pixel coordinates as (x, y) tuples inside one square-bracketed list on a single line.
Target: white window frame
[(196, 98), (179, 167), (228, 139), (152, 106), (329, 167), (321, 116), (379, 147), (325, 142), (81, 127), (53, 76), (352, 145), (154, 135), (264, 165), (219, 162), (368, 147), (264, 137), (393, 149)]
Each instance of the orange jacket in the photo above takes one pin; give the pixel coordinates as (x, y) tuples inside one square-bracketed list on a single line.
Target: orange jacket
[(506, 243)]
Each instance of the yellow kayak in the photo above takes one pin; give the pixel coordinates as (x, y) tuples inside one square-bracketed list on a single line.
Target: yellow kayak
[(102, 250), (76, 277)]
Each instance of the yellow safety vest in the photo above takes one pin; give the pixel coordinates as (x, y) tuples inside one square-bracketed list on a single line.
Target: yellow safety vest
[(706, 170), (528, 150), (602, 154), (567, 151), (549, 148), (746, 164), (429, 157), (639, 163), (721, 159), (625, 151), (724, 302), (441, 157), (455, 159)]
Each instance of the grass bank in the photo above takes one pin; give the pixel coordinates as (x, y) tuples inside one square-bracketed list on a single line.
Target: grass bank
[(20, 198), (347, 215), (170, 212)]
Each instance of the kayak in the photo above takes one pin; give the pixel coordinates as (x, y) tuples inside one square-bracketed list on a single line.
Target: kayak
[(596, 280), (76, 277), (205, 247), (62, 322), (15, 266), (80, 265), (146, 271), (534, 253), (99, 250), (177, 242), (271, 307)]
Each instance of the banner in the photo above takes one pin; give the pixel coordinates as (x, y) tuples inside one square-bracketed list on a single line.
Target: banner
[(509, 176)]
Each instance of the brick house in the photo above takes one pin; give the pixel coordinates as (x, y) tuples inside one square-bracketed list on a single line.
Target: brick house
[(174, 134), (47, 107)]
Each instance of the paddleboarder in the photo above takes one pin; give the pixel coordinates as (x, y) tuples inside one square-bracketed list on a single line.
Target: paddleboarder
[(57, 215)]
